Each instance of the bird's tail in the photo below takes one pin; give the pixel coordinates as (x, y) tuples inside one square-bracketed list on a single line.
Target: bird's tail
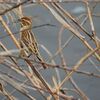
[(42, 62)]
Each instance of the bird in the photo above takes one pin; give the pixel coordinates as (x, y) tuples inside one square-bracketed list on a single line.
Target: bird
[(28, 38)]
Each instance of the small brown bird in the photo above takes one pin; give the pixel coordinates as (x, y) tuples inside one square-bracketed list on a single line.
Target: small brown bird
[(28, 39)]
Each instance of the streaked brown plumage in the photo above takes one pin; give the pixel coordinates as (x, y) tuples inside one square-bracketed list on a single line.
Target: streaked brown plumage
[(28, 38)]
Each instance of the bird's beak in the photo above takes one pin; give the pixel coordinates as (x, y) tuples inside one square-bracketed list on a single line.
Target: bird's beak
[(19, 20)]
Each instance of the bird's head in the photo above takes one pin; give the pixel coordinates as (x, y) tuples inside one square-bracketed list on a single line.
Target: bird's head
[(25, 21)]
